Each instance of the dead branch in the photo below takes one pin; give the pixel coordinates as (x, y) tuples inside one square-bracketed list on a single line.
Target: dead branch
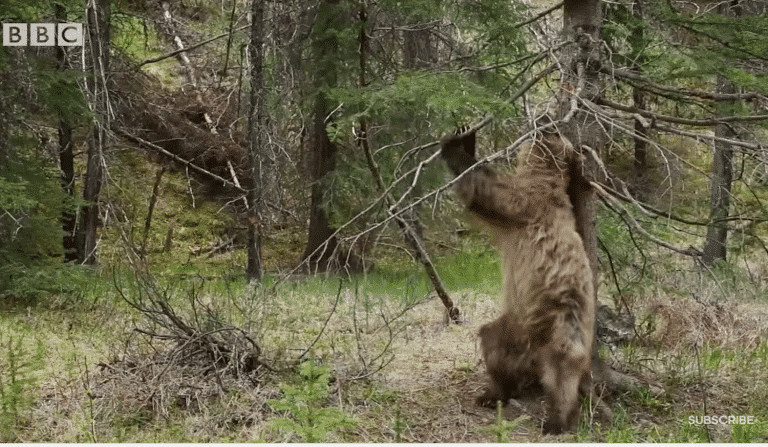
[(753, 147), (640, 81), (676, 120), (176, 158), (225, 347), (411, 236), (325, 325), (612, 202), (189, 48)]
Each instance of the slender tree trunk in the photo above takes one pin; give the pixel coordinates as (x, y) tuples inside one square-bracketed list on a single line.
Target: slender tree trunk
[(321, 244), (152, 203), (67, 166), (97, 53), (66, 161), (256, 129), (715, 246), (639, 173), (582, 21)]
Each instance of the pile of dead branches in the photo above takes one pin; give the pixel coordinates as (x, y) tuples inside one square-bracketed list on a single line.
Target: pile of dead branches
[(197, 336)]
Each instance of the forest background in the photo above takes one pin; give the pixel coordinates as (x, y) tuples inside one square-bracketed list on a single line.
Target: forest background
[(228, 220)]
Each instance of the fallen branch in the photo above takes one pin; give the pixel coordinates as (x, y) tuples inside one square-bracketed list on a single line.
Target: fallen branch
[(175, 157)]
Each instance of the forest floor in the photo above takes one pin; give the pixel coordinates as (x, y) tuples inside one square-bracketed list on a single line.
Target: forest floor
[(370, 358), (96, 374)]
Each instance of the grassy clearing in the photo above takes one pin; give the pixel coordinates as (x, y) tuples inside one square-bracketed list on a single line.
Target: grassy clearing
[(381, 365), (369, 358)]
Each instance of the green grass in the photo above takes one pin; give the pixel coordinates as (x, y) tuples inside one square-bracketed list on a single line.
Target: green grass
[(302, 408), (351, 327)]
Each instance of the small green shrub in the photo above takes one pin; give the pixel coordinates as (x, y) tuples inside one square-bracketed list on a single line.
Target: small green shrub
[(303, 406), (620, 429), (502, 427), (17, 378)]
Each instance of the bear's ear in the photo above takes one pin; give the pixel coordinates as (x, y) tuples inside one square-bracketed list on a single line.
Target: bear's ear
[(458, 152), (469, 144)]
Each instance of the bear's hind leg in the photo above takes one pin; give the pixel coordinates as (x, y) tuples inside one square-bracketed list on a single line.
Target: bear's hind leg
[(503, 346)]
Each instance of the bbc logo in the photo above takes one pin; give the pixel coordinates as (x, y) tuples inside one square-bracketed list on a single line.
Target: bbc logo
[(42, 34)]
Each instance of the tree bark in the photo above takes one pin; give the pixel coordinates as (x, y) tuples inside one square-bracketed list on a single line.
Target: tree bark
[(256, 129), (418, 49), (66, 160), (97, 54), (637, 41), (582, 21), (321, 243), (715, 246), (639, 173)]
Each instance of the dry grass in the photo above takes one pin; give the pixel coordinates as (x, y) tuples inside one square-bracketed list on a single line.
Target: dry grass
[(688, 322), (401, 375)]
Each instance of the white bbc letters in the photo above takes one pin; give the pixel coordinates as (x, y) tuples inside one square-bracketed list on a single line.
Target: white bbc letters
[(70, 34), (42, 34), (15, 34)]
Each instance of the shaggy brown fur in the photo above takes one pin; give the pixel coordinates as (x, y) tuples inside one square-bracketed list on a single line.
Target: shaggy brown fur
[(544, 335)]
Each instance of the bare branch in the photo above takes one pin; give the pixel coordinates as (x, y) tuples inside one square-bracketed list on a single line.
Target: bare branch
[(175, 157), (190, 48), (676, 120), (539, 15), (641, 81), (622, 211)]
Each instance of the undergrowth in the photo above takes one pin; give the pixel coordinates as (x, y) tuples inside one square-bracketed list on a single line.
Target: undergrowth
[(333, 341), (19, 369), (304, 409)]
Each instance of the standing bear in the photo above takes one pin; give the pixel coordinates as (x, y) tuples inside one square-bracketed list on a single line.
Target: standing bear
[(544, 335)]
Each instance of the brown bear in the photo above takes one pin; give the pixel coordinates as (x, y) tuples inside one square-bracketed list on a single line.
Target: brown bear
[(544, 336)]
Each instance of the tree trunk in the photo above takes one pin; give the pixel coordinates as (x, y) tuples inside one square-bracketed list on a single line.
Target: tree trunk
[(321, 244), (720, 184), (582, 21), (152, 203), (715, 246), (97, 54), (418, 50), (256, 129), (66, 161), (639, 173)]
